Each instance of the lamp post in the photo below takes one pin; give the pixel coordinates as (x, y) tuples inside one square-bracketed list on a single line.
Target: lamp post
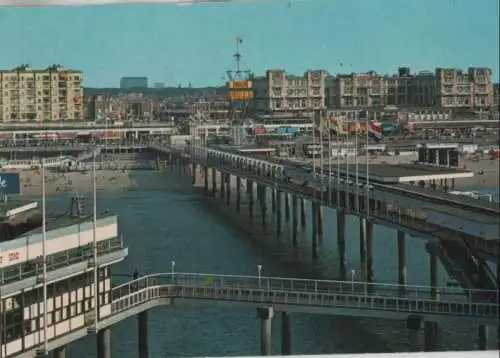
[(172, 270), (259, 271)]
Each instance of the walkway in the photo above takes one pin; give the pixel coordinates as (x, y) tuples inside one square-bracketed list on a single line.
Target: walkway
[(347, 298), (387, 215)]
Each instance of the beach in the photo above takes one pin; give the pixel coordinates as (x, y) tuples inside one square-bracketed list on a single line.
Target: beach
[(56, 183)]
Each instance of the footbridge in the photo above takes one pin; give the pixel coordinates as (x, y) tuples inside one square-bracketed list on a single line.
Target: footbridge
[(268, 295)]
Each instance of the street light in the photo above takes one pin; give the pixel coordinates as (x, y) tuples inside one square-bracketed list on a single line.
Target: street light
[(259, 270), (172, 267), (353, 272)]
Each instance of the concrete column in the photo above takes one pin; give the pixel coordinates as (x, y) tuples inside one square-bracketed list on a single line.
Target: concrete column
[(250, 197), (302, 213), (227, 179), (433, 274), (414, 323), (142, 328), (104, 343), (205, 179), (430, 336), (287, 207), (286, 334), (362, 240), (294, 221), (222, 185), (273, 200), (193, 172), (59, 352), (341, 242), (319, 220), (214, 182), (238, 194), (265, 316), (482, 338), (278, 212), (263, 203), (314, 212), (401, 260)]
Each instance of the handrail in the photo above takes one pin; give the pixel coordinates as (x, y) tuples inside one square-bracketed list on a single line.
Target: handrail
[(288, 291), (448, 294), (103, 248), (390, 188)]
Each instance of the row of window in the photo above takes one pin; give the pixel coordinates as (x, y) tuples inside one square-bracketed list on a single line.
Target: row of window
[(17, 321)]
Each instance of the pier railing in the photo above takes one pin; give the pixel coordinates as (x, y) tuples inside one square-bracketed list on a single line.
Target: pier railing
[(308, 294)]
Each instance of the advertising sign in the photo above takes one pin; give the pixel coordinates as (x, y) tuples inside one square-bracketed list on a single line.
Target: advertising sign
[(240, 95), (240, 84), (9, 183)]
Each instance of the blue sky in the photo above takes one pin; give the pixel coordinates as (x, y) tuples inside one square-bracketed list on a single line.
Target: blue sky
[(182, 44)]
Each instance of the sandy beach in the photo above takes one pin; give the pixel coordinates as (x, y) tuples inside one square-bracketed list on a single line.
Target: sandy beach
[(56, 183)]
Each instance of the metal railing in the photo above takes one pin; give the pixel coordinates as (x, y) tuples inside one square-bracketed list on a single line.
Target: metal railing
[(400, 219), (307, 293), (33, 268)]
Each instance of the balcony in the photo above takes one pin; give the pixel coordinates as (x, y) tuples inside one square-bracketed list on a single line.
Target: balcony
[(63, 264)]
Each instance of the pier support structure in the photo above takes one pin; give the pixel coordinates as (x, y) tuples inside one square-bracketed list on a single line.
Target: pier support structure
[(341, 243), (265, 315), (286, 334), (142, 330), (314, 219), (366, 247), (482, 338), (430, 336), (238, 194), (59, 352), (278, 213), (214, 182), (294, 220), (414, 323), (401, 260), (104, 343)]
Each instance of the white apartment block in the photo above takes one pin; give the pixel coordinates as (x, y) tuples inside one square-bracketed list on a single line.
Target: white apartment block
[(52, 94), (278, 91)]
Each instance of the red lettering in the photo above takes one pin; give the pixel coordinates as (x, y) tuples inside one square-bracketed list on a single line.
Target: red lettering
[(13, 256)]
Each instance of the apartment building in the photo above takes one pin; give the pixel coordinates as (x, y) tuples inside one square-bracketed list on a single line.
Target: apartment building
[(279, 91), (374, 90), (444, 88), (464, 89), (52, 94)]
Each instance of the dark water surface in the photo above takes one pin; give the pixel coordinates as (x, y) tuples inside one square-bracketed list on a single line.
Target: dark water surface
[(166, 220)]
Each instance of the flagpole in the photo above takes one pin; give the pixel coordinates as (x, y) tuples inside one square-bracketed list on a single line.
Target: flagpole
[(367, 158), (339, 146), (356, 124), (348, 151), (94, 234), (44, 258), (329, 160)]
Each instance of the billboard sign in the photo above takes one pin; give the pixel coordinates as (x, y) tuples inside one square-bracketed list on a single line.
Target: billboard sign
[(10, 184), (240, 95), (238, 85)]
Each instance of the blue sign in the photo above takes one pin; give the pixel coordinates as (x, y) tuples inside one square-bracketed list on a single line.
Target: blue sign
[(9, 183)]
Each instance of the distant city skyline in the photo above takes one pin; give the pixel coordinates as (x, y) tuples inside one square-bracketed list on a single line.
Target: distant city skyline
[(194, 44)]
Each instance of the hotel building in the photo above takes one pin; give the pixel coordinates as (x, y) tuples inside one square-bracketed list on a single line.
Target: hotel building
[(52, 94)]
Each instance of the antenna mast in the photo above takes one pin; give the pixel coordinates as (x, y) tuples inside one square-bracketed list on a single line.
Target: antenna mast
[(239, 84)]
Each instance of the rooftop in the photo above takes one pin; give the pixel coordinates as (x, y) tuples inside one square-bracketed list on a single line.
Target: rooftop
[(65, 220), (11, 208), (401, 173)]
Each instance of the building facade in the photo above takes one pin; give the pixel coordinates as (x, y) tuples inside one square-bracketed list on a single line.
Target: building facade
[(52, 94), (133, 82), (464, 89), (443, 88), (279, 91)]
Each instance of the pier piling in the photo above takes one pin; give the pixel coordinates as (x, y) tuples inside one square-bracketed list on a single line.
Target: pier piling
[(59, 352), (401, 260), (265, 316), (314, 213), (430, 336), (238, 194), (294, 221), (104, 343), (414, 323), (286, 334), (482, 337), (302, 213), (341, 243), (142, 327), (214, 182), (227, 180), (287, 207), (278, 213)]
